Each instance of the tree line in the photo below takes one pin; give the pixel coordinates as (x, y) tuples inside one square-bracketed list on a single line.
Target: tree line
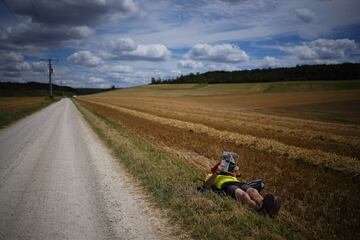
[(41, 89), (345, 71)]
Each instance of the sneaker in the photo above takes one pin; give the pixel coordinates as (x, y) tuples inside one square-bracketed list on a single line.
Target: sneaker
[(267, 203), (274, 210)]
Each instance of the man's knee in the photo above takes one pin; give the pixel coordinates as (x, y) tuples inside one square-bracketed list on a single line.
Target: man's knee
[(252, 191)]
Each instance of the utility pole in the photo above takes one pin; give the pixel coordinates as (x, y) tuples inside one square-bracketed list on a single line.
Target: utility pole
[(51, 71), (62, 88)]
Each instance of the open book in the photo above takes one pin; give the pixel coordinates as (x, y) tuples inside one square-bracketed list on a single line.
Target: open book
[(229, 161)]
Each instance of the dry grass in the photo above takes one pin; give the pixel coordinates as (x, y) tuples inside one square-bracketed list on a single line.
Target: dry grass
[(309, 162)]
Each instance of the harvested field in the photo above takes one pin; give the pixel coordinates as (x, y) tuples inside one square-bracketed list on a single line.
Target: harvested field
[(309, 159), (14, 108), (16, 103)]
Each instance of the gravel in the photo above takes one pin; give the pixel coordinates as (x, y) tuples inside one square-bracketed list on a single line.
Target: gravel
[(58, 181)]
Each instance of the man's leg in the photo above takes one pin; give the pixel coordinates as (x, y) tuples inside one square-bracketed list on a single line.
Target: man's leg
[(242, 196), (255, 195)]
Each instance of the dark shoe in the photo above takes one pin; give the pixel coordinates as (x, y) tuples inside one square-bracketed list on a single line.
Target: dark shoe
[(274, 210), (267, 203)]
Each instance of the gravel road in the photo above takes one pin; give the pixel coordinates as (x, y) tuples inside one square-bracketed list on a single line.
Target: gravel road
[(58, 181)]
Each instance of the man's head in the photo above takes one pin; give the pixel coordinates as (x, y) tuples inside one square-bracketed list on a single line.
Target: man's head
[(229, 161)]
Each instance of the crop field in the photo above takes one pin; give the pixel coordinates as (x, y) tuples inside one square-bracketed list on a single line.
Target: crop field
[(302, 138), (14, 108)]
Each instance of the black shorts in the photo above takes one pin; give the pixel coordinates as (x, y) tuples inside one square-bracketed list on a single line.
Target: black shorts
[(230, 188)]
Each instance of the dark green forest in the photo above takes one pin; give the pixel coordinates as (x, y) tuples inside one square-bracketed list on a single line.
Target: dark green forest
[(17, 89), (345, 71)]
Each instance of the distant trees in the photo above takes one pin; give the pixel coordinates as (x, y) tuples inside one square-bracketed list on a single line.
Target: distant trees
[(32, 86), (156, 81), (345, 71)]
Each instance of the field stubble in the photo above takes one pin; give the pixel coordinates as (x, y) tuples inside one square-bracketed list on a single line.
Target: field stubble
[(309, 163)]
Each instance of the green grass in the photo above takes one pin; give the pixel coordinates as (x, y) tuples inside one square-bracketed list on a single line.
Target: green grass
[(235, 88), (9, 116), (312, 86), (172, 184)]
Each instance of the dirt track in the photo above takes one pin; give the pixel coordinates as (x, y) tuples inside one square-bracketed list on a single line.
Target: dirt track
[(57, 181)]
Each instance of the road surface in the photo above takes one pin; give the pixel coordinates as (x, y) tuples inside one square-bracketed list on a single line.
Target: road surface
[(58, 181)]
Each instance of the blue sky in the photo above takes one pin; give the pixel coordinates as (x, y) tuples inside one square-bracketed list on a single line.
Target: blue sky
[(100, 43)]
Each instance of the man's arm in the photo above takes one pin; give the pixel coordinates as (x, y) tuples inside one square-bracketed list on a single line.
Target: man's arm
[(208, 183)]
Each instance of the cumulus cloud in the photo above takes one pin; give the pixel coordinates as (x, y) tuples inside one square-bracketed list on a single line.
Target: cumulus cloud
[(127, 49), (13, 66), (85, 58), (78, 13), (10, 57), (188, 63), (16, 67), (122, 44), (148, 52), (34, 34), (270, 62), (322, 49), (217, 53), (54, 23), (305, 15)]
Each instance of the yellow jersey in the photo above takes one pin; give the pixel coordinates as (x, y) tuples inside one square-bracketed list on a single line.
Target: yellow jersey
[(221, 179)]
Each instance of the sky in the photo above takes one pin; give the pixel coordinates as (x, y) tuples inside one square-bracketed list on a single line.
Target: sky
[(123, 43)]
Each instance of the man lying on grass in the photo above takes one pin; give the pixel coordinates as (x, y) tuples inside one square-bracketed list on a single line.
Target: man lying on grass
[(225, 180)]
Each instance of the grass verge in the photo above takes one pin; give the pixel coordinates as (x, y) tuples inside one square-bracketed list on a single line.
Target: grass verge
[(171, 183), (10, 115)]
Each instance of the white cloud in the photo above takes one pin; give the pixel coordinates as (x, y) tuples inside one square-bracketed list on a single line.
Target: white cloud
[(148, 52), (322, 49), (305, 15), (122, 44), (85, 58), (270, 62), (188, 63), (217, 53), (127, 49)]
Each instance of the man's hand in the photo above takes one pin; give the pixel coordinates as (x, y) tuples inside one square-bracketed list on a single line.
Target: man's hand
[(219, 169)]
